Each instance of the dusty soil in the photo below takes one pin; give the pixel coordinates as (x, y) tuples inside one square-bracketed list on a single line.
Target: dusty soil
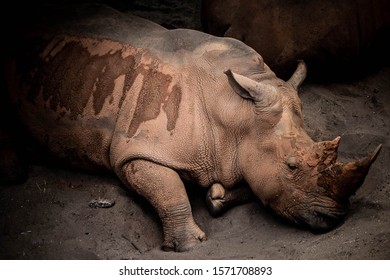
[(49, 216)]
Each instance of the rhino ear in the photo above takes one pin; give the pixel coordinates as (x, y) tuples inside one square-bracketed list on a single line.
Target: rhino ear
[(250, 89), (299, 75)]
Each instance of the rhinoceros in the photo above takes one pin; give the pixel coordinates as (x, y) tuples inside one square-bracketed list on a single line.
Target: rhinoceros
[(159, 108), (331, 36)]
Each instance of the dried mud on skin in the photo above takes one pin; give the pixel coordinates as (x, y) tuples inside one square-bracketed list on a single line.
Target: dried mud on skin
[(50, 216)]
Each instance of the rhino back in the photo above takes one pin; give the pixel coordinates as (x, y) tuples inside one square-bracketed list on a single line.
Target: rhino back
[(67, 80), (82, 69)]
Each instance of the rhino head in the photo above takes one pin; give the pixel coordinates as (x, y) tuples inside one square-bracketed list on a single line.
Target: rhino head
[(298, 178)]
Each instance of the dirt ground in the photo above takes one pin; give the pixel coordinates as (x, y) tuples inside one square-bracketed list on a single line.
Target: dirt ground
[(50, 215)]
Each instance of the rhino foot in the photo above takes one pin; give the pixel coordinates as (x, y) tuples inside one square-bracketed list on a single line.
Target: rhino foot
[(215, 199), (219, 199), (182, 240)]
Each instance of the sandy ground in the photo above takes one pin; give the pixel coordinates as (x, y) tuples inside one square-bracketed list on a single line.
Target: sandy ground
[(49, 216)]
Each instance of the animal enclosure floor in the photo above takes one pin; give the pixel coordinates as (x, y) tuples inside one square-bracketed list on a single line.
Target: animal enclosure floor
[(49, 216)]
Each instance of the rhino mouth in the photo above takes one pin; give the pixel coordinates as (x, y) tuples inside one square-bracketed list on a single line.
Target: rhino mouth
[(321, 220)]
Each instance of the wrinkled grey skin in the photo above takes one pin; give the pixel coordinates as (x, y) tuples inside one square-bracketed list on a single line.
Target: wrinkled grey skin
[(159, 108)]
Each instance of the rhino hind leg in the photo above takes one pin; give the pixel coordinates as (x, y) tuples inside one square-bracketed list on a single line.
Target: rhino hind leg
[(163, 188), (13, 167), (219, 199), (13, 170)]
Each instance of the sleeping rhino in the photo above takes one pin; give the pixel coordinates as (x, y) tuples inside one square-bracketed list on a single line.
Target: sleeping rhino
[(106, 90)]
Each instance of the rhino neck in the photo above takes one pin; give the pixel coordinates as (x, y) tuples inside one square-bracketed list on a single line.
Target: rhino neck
[(229, 119)]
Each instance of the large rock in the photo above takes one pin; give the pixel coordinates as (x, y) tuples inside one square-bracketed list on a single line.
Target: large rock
[(333, 36)]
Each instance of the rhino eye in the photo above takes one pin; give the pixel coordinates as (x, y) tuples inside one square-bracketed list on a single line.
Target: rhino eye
[(292, 163), (292, 166)]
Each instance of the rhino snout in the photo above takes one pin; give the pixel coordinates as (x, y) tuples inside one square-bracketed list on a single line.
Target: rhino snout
[(321, 219)]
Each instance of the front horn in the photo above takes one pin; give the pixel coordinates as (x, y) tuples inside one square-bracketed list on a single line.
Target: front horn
[(343, 180)]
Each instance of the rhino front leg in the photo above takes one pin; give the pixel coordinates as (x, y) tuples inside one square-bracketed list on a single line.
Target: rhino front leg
[(164, 189), (220, 199)]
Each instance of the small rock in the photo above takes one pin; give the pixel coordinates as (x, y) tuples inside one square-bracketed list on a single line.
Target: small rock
[(101, 203)]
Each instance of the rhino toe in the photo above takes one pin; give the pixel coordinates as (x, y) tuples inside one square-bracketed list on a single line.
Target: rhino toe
[(215, 199), (183, 242)]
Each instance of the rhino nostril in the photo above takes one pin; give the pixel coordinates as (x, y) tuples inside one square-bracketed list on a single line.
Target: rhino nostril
[(321, 220), (328, 220)]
